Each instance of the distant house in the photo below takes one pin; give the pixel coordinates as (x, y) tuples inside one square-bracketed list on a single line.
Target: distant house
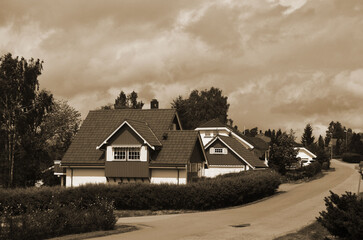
[(133, 145), (306, 157), (226, 150)]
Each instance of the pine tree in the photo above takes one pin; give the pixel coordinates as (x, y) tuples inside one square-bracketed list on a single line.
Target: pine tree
[(307, 138)]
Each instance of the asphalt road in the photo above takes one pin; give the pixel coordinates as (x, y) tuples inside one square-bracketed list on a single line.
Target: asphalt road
[(295, 206)]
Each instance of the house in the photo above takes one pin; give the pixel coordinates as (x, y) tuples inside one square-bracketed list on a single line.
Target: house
[(226, 150), (306, 157), (133, 145)]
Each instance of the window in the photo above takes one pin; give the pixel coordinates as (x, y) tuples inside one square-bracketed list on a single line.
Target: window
[(134, 154), (218, 151), (120, 153), (208, 134)]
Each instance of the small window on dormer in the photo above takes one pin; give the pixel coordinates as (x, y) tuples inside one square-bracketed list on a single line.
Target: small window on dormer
[(218, 151), (119, 153), (208, 134)]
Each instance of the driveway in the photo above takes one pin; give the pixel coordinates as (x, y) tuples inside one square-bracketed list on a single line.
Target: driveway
[(295, 206)]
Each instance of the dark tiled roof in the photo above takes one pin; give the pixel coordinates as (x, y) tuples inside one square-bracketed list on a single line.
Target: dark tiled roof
[(246, 154), (177, 147), (213, 123), (145, 131), (223, 159), (99, 124)]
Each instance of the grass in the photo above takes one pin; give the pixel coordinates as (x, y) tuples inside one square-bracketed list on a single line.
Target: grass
[(314, 231), (139, 213)]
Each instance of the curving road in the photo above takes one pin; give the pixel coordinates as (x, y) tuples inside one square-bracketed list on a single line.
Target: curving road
[(295, 206)]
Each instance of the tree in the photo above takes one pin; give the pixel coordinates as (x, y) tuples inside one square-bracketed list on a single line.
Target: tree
[(356, 145), (201, 107), (57, 132), (18, 90), (121, 101), (282, 152), (130, 101), (307, 139)]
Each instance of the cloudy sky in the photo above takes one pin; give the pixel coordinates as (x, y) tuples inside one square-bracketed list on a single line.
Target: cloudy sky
[(282, 63)]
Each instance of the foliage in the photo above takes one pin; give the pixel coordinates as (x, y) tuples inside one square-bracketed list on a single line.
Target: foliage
[(130, 101), (207, 194), (22, 106), (307, 138), (201, 107), (56, 219), (356, 145), (308, 171), (35, 129), (352, 157), (343, 216), (282, 152), (251, 132)]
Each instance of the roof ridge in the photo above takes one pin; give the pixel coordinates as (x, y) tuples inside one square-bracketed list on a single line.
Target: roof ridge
[(132, 109)]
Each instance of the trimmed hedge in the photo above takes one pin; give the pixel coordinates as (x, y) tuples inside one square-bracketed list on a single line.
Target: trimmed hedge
[(203, 195), (53, 211), (56, 219), (352, 157)]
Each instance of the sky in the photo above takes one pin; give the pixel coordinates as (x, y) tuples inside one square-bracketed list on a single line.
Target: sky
[(281, 63)]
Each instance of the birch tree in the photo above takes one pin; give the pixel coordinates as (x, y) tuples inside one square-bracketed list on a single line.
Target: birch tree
[(18, 90)]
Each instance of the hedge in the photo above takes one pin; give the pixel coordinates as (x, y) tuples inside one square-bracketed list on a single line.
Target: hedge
[(53, 211), (203, 195), (352, 157), (56, 219)]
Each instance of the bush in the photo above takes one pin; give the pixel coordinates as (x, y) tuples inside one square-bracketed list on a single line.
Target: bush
[(352, 157), (207, 194), (343, 216), (312, 169), (325, 166), (28, 222), (304, 172)]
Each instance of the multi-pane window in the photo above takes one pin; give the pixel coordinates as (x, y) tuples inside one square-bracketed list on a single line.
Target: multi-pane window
[(218, 151), (134, 153), (119, 153), (122, 153)]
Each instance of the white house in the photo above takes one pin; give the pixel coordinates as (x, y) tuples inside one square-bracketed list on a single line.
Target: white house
[(305, 155)]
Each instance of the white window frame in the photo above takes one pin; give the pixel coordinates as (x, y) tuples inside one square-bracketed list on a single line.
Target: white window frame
[(218, 151), (128, 151)]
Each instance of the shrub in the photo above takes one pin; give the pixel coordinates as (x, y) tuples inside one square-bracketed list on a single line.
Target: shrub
[(58, 219), (325, 165), (207, 194), (343, 216), (352, 157), (305, 172), (312, 169)]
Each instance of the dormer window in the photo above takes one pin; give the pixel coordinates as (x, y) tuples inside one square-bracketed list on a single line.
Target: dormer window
[(208, 135), (218, 151), (126, 153)]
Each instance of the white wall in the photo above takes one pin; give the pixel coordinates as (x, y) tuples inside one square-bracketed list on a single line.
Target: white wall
[(168, 176), (212, 135), (303, 155), (83, 176), (215, 171)]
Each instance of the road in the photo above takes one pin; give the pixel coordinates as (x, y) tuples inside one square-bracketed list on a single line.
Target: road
[(295, 206)]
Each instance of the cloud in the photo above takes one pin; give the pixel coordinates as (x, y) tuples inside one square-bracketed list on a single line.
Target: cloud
[(281, 63)]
